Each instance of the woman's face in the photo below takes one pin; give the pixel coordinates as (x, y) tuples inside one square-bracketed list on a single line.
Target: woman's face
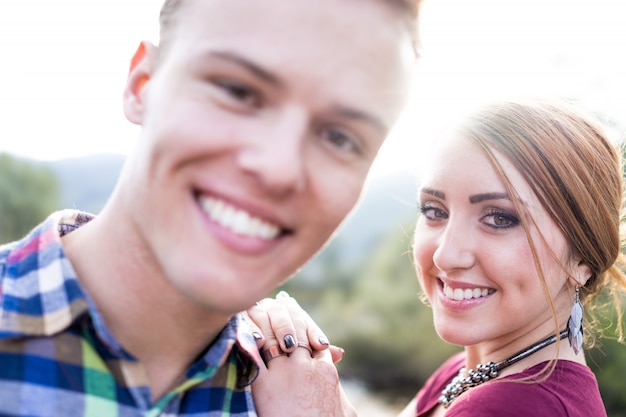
[(473, 257)]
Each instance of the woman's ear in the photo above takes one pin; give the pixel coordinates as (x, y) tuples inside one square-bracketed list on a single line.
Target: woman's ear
[(580, 274), (141, 68)]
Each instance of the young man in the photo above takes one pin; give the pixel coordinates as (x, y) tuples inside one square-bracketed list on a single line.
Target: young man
[(260, 121)]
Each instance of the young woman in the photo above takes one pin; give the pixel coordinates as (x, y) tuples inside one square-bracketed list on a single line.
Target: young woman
[(519, 230)]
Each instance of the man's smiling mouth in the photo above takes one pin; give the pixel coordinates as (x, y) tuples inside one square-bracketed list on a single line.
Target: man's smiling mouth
[(237, 220)]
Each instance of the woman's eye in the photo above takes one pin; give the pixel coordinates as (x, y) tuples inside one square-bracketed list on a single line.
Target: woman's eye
[(432, 213), (500, 219)]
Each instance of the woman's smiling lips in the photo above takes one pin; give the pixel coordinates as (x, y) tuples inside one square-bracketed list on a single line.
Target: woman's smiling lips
[(458, 292)]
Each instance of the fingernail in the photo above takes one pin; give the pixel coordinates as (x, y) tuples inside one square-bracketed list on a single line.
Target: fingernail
[(289, 341), (282, 294), (257, 336), (323, 340)]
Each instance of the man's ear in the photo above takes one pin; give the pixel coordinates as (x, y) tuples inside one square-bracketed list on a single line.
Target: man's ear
[(141, 68)]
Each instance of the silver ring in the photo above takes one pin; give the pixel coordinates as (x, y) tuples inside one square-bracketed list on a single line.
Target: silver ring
[(306, 346)]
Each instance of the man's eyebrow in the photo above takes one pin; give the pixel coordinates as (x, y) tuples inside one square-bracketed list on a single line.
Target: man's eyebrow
[(473, 199), (254, 68), (433, 192), (359, 115), (339, 110)]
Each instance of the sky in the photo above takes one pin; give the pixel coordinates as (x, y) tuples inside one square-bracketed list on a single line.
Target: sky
[(63, 65)]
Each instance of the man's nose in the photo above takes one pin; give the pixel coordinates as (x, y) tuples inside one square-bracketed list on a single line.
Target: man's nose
[(276, 158)]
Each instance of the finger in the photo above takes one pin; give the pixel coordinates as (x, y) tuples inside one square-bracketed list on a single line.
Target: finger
[(270, 348), (257, 333), (277, 326), (313, 335), (337, 353), (271, 353), (300, 320)]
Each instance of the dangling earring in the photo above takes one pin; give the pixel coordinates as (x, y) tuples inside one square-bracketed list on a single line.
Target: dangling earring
[(575, 324)]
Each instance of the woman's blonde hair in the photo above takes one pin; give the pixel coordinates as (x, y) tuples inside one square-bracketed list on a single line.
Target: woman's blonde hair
[(577, 175)]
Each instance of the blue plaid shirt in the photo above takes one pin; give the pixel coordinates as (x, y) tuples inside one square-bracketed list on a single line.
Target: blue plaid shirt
[(58, 359)]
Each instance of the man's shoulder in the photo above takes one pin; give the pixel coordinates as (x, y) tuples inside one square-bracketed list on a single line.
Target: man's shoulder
[(39, 293), (7, 254), (4, 253)]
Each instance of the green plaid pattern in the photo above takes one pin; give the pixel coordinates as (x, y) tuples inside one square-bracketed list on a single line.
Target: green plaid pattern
[(57, 358)]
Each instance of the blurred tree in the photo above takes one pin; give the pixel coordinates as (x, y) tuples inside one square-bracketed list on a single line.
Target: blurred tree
[(608, 361), (28, 193)]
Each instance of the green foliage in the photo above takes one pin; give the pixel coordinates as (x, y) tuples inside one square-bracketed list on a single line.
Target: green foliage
[(28, 193), (608, 362)]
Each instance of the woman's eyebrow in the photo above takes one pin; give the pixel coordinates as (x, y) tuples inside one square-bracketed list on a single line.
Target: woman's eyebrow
[(477, 198), (433, 192)]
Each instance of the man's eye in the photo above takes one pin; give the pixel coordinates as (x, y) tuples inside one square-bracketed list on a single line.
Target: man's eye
[(239, 92), (341, 140)]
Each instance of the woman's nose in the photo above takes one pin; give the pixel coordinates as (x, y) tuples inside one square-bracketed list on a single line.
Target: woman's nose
[(454, 247)]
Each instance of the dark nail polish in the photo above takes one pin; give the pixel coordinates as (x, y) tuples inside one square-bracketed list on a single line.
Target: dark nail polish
[(289, 341), (323, 340)]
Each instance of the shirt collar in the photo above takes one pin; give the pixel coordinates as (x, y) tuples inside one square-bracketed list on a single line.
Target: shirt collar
[(40, 294), (235, 339)]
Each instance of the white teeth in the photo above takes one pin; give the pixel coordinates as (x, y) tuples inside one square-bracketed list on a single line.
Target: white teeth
[(459, 294), (239, 221)]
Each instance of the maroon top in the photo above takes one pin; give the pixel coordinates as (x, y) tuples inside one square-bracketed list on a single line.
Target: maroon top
[(570, 391)]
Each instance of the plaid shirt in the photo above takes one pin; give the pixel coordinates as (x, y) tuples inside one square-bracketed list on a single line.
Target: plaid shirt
[(58, 359)]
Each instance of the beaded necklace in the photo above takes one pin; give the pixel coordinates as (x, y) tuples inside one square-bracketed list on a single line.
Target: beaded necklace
[(484, 373)]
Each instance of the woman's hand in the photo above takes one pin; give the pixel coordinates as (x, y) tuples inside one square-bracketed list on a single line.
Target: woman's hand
[(301, 385), (300, 378), (282, 322)]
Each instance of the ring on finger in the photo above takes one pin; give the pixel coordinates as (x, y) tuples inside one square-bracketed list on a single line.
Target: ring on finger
[(272, 353), (306, 346)]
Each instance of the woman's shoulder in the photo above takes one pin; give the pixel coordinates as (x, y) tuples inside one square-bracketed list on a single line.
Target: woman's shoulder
[(557, 395), (428, 396)]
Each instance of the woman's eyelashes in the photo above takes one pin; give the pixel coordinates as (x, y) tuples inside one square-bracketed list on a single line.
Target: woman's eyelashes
[(431, 212), (495, 218), (500, 219)]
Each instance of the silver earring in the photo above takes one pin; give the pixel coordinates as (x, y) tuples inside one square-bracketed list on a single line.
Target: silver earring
[(575, 324)]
